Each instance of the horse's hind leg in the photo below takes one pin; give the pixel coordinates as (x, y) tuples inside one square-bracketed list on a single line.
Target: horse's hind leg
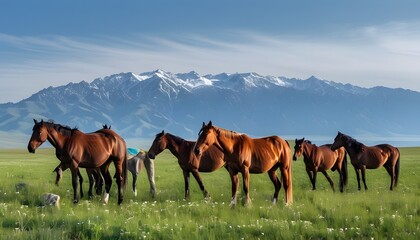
[(80, 182), (150, 169), (391, 173), (91, 182), (329, 179), (134, 183), (277, 184), (200, 183)]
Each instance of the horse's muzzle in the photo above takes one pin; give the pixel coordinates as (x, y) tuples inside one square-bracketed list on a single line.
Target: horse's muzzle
[(151, 155), (294, 158), (31, 149)]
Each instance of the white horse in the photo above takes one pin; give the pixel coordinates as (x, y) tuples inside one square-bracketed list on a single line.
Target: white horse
[(136, 163)]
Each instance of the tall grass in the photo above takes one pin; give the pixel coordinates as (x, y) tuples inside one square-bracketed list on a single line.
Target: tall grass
[(322, 214)]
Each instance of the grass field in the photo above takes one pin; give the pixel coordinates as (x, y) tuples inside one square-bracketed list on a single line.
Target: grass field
[(321, 214)]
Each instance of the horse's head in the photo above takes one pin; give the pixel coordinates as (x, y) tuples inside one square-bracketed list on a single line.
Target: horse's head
[(298, 148), (39, 136), (339, 141), (206, 137), (159, 144)]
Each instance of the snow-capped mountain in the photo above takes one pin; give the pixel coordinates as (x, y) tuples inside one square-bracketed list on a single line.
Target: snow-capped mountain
[(141, 105)]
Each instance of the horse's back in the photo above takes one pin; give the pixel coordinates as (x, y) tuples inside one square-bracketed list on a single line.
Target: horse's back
[(269, 152)]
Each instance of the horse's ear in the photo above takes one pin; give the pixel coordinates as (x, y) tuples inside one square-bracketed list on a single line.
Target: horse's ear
[(303, 139), (339, 133), (163, 132), (204, 124), (210, 124), (35, 121), (295, 140)]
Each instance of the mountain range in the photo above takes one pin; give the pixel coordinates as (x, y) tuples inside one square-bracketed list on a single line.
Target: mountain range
[(138, 106)]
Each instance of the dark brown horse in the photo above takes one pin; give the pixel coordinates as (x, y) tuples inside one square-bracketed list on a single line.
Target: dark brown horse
[(247, 155), (364, 157), (182, 149), (76, 149), (321, 159)]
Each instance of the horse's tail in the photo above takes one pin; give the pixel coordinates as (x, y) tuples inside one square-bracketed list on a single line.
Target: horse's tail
[(344, 169), (397, 168)]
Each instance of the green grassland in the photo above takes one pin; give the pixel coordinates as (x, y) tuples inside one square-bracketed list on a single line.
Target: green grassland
[(322, 214)]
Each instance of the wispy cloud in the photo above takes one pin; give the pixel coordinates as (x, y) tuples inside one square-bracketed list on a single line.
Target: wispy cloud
[(373, 55)]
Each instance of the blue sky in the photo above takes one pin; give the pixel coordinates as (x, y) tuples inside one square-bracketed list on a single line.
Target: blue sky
[(51, 43)]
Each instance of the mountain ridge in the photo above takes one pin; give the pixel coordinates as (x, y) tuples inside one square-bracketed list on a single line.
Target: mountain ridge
[(140, 105)]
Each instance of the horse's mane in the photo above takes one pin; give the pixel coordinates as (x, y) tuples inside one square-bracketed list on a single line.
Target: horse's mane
[(227, 133), (63, 129), (177, 139), (358, 146)]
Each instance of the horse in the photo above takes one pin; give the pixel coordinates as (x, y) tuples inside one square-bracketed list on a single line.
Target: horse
[(136, 164), (189, 163), (321, 159), (94, 175), (77, 149), (249, 155), (364, 157)]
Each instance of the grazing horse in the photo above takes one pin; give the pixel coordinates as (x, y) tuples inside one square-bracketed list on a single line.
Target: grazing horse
[(321, 159), (76, 149), (364, 157), (183, 150), (250, 155), (136, 164)]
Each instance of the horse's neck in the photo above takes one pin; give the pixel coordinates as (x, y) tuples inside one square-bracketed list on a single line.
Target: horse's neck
[(173, 146), (56, 139), (350, 148), (226, 143), (308, 150)]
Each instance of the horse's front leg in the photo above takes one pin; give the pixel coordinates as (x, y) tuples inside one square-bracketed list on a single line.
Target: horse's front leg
[(310, 175), (245, 178), (108, 182), (186, 184), (364, 176), (329, 180), (357, 177), (235, 182), (75, 183), (200, 183), (277, 184)]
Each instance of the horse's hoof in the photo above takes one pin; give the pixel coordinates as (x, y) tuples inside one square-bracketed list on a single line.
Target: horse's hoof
[(75, 201)]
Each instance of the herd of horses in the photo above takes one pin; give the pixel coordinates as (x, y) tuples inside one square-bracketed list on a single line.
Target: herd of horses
[(215, 148)]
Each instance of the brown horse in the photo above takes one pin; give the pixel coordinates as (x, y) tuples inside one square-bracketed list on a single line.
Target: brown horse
[(364, 157), (250, 155), (76, 149), (182, 149), (321, 159)]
